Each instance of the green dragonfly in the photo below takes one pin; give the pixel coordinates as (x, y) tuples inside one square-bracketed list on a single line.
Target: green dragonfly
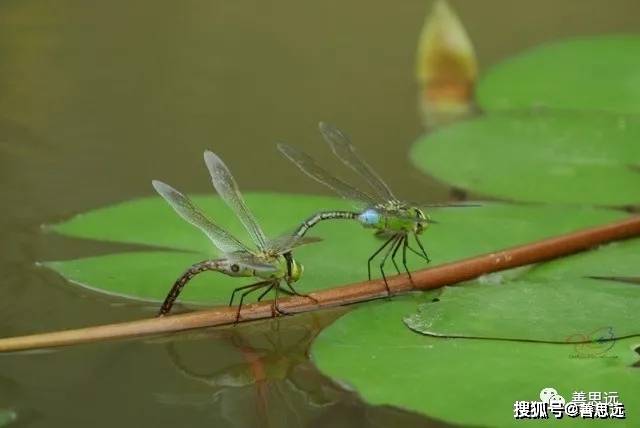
[(271, 260), (380, 210)]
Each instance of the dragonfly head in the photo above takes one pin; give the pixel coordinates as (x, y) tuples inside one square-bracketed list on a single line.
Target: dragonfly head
[(296, 270), (422, 220)]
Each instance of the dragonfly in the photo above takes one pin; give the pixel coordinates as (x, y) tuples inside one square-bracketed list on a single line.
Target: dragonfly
[(271, 260), (378, 209)]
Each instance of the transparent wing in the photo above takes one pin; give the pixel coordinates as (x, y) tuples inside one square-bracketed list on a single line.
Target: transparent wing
[(189, 212), (284, 244), (251, 261), (446, 205), (228, 190), (315, 171), (344, 150)]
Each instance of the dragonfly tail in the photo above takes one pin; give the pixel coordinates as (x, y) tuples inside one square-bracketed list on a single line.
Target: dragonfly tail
[(321, 216), (182, 281)]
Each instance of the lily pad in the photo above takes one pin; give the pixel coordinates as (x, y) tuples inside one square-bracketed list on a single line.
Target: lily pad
[(464, 381), (148, 275), (552, 302), (340, 259), (151, 221), (7, 417), (615, 260), (582, 158), (562, 127), (546, 311), (599, 73)]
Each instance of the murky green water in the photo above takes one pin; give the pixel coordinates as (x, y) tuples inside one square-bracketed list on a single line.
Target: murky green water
[(98, 98)]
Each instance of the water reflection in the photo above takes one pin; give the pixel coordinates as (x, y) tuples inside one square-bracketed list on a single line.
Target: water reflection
[(273, 383)]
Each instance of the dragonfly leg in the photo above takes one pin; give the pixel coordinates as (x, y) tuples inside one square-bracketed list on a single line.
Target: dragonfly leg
[(395, 251), (295, 292), (182, 281), (235, 290), (384, 260), (287, 292), (376, 253), (251, 289), (264, 293), (418, 253), (275, 308), (422, 248), (289, 259), (405, 245)]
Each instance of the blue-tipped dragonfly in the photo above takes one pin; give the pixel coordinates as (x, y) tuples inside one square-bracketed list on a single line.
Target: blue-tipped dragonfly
[(271, 260), (379, 210)]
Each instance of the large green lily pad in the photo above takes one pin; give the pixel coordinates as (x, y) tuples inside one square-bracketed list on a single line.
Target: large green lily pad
[(148, 275), (498, 339), (599, 73), (340, 258), (460, 380), (561, 157), (560, 305)]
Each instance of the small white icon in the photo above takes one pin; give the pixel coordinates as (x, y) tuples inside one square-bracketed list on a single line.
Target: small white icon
[(556, 401), (547, 393), (556, 405)]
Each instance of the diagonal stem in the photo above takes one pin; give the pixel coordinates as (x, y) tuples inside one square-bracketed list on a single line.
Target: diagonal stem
[(438, 276)]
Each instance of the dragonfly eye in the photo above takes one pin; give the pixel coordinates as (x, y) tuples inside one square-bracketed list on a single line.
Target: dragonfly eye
[(235, 268), (296, 270)]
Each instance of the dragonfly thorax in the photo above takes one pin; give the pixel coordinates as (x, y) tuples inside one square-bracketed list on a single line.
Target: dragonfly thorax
[(395, 217), (296, 268), (279, 267), (235, 268)]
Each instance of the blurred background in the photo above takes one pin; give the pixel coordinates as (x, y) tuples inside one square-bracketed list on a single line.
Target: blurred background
[(98, 98)]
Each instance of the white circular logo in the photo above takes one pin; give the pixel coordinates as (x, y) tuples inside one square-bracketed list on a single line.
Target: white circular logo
[(546, 394)]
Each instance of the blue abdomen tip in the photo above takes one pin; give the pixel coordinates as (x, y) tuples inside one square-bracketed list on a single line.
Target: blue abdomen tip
[(369, 217)]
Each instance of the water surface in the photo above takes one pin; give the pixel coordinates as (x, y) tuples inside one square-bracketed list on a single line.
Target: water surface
[(98, 98)]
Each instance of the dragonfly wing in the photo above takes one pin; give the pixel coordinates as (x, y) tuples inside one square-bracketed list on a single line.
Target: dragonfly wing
[(426, 207), (252, 261), (284, 244), (346, 152), (309, 166), (228, 190), (224, 241), (446, 205)]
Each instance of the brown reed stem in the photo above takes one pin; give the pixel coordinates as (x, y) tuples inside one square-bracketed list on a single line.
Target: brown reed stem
[(446, 274)]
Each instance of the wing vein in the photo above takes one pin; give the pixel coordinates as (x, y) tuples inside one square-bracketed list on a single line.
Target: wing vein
[(309, 166), (186, 209), (341, 147), (228, 190)]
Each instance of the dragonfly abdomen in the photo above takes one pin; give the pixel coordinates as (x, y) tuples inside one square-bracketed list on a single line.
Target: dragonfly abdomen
[(324, 215), (371, 218), (215, 265)]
